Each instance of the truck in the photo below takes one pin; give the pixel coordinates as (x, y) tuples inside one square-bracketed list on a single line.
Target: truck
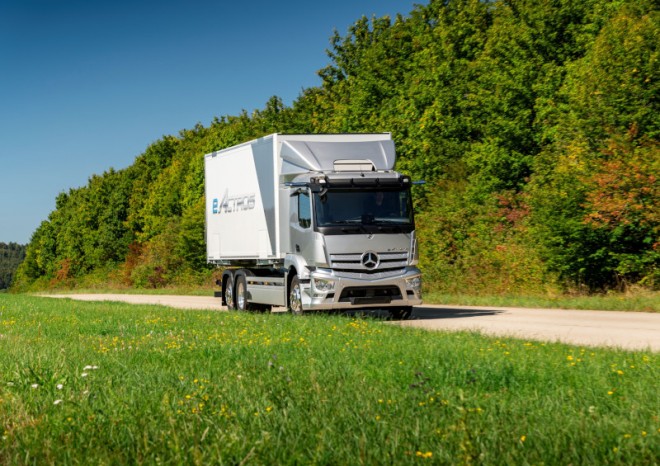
[(312, 222)]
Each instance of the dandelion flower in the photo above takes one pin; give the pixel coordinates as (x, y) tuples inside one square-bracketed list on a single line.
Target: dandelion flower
[(523, 438)]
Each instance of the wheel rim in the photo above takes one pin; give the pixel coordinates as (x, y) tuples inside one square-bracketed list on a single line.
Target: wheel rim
[(295, 299), (229, 295), (240, 295)]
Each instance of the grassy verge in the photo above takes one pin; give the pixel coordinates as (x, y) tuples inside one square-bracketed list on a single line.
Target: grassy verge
[(136, 384), (640, 302), (182, 291)]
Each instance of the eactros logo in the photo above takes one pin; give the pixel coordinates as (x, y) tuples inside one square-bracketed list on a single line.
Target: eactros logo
[(233, 203)]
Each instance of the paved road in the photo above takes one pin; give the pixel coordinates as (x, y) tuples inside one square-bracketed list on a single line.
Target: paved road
[(628, 330)]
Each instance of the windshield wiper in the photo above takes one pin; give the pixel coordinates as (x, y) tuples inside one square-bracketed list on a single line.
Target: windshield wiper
[(355, 221), (390, 221), (393, 228)]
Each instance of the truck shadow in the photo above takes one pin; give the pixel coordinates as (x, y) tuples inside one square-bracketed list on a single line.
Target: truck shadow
[(427, 313)]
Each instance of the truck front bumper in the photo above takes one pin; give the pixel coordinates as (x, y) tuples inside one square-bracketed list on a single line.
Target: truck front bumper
[(327, 289)]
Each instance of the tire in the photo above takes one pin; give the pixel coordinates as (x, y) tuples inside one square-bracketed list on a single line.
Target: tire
[(295, 296), (401, 313), (229, 293), (241, 294)]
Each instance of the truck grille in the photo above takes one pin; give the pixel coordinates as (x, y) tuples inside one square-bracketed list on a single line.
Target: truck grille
[(356, 261), (366, 275)]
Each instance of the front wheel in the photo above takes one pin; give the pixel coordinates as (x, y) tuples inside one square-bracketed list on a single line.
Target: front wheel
[(295, 297)]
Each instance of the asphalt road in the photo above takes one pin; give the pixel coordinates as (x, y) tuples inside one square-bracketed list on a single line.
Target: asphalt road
[(627, 330)]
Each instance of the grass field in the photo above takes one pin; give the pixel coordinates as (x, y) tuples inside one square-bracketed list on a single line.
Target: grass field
[(109, 383)]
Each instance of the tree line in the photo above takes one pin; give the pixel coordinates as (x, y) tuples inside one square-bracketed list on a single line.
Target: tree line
[(534, 123), (11, 255)]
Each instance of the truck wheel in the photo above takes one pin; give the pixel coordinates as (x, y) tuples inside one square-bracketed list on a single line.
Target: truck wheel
[(229, 293), (241, 294), (401, 313), (295, 297)]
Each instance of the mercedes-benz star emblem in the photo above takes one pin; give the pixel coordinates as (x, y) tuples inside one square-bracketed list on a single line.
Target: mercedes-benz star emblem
[(370, 260)]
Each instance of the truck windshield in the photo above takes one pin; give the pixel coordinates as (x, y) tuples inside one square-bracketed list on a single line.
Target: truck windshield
[(364, 208)]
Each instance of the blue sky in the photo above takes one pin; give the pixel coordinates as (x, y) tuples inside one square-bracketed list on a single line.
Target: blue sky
[(87, 85)]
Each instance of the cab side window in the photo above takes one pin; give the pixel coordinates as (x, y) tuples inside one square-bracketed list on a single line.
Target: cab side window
[(304, 210)]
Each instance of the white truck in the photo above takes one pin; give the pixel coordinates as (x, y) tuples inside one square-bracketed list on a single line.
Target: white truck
[(312, 222)]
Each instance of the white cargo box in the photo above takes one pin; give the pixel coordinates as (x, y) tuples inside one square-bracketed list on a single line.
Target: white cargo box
[(245, 209)]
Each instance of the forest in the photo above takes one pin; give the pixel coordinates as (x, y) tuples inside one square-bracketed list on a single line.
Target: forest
[(11, 255), (535, 124)]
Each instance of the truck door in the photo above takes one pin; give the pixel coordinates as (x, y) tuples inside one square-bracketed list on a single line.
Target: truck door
[(301, 224)]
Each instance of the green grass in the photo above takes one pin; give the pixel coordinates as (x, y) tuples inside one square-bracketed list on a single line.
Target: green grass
[(110, 383), (180, 291), (639, 302)]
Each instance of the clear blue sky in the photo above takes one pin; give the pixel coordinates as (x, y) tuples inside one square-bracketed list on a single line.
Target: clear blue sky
[(86, 85)]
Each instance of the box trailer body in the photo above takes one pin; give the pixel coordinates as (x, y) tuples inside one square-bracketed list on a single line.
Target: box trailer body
[(312, 222)]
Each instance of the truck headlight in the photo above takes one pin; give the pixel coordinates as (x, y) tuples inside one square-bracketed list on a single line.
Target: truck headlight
[(414, 283), (322, 285)]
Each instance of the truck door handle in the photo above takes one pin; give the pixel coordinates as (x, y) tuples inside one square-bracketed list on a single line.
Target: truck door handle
[(297, 248)]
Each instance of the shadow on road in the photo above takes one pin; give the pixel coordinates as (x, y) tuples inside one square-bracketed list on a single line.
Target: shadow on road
[(426, 313)]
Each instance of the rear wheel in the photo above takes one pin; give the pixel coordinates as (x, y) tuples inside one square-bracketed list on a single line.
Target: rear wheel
[(295, 296), (401, 313), (229, 293), (241, 294)]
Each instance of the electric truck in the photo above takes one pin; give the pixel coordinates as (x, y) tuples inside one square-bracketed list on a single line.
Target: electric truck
[(312, 222)]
